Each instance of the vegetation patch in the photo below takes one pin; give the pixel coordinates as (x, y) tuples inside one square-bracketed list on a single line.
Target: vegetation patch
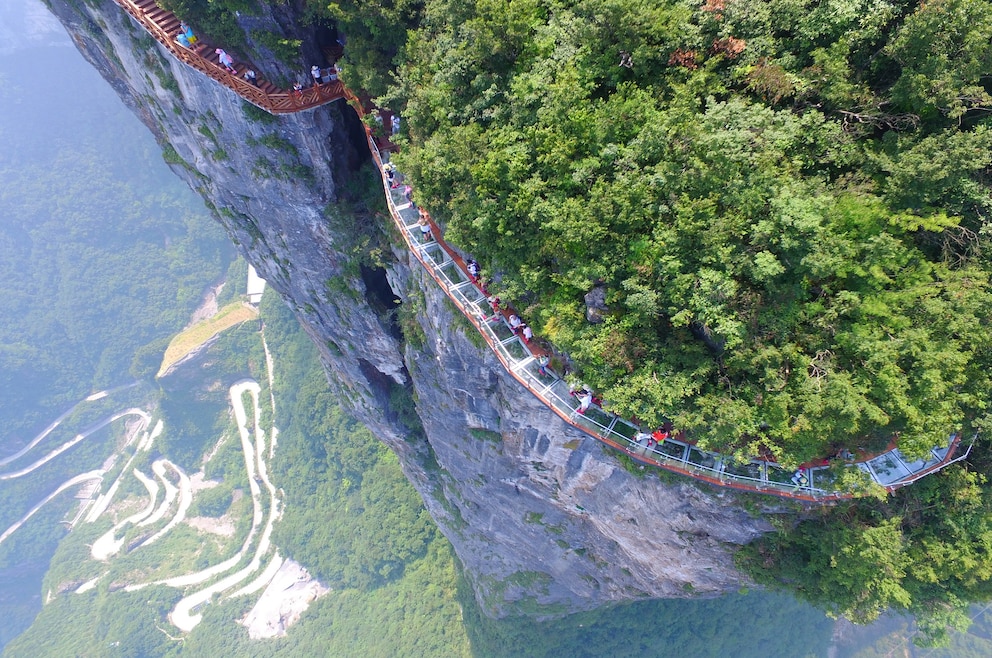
[(191, 339), (257, 114), (285, 50), (486, 435), (534, 517)]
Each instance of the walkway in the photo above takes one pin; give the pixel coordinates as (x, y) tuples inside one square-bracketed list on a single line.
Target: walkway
[(889, 470), (164, 26)]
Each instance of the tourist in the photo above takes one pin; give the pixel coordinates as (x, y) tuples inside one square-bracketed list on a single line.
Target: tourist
[(585, 399), (408, 195), (425, 228), (250, 77), (542, 364), (390, 170), (515, 322), (527, 333), (187, 33), (395, 123), (225, 60), (473, 269), (298, 89), (315, 72), (185, 38), (494, 304)]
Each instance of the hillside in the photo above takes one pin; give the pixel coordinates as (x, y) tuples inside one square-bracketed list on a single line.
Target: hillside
[(766, 222)]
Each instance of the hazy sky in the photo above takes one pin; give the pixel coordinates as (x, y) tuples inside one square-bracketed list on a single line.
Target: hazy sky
[(26, 23)]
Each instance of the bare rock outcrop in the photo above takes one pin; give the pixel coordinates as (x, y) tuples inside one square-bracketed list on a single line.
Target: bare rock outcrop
[(285, 599)]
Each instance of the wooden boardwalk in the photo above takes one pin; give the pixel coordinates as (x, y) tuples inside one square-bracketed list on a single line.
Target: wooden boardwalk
[(164, 27)]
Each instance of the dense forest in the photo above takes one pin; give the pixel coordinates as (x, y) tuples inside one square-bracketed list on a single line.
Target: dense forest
[(784, 204)]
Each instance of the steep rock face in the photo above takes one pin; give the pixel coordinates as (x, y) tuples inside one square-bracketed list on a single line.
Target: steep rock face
[(542, 517)]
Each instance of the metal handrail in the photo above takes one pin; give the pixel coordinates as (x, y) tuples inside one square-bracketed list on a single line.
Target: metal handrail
[(475, 311)]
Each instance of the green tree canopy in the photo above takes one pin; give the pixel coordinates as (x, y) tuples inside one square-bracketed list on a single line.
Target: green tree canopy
[(784, 201)]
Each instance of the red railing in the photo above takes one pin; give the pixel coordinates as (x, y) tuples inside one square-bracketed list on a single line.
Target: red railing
[(155, 20)]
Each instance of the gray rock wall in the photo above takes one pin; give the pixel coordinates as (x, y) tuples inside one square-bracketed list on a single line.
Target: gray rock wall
[(542, 517)]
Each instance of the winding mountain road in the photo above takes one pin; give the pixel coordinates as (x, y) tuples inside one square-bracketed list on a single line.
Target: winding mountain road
[(134, 411), (58, 421), (79, 479), (108, 544), (183, 616), (185, 499)]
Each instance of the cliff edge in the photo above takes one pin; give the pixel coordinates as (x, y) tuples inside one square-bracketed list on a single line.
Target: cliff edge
[(544, 519)]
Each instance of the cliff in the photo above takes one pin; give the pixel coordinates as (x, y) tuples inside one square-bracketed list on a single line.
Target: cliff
[(544, 519)]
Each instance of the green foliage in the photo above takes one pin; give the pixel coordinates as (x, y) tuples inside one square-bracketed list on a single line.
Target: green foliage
[(215, 18), (257, 114), (195, 404), (467, 328), (171, 156), (924, 551), (274, 141), (785, 271), (408, 317), (213, 502), (355, 232), (943, 52), (376, 34), (286, 51), (353, 520), (121, 630)]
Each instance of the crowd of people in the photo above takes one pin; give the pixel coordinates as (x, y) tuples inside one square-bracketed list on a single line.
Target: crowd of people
[(319, 76)]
